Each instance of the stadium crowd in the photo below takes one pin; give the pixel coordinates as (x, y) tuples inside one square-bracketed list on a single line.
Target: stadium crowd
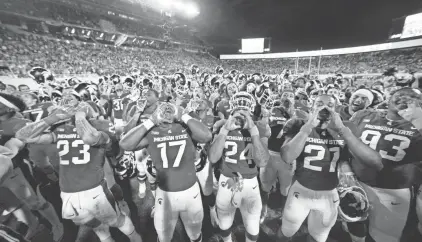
[(68, 12), (167, 145)]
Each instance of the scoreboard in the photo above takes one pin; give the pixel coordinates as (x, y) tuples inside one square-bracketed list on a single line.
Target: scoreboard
[(255, 45), (407, 27)]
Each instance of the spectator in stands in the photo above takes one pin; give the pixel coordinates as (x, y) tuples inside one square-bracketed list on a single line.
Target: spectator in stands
[(10, 89), (23, 88)]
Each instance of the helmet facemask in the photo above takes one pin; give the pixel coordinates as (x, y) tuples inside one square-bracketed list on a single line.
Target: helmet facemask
[(242, 101)]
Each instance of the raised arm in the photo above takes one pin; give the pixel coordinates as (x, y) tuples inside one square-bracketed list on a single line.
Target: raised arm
[(31, 132), (294, 142), (200, 132), (6, 166), (360, 151), (260, 151), (135, 138), (216, 149), (132, 122)]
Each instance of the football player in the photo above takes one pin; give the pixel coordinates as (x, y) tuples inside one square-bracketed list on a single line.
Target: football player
[(276, 168), (317, 145), (204, 170), (16, 182), (397, 137), (360, 100), (169, 138), (120, 100), (9, 203), (83, 146), (144, 108), (223, 107), (46, 157), (241, 149)]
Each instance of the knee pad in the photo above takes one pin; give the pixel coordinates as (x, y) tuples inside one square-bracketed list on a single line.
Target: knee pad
[(117, 192)]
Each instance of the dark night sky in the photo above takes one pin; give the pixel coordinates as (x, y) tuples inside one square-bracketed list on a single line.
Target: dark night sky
[(300, 24)]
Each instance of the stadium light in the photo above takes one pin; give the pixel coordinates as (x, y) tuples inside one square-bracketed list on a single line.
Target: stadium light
[(191, 10), (165, 3)]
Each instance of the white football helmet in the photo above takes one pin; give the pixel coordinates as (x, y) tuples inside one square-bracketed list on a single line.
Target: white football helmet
[(242, 101)]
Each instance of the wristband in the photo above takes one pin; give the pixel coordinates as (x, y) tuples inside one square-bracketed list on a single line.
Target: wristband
[(224, 131), (254, 131), (185, 118), (148, 124)]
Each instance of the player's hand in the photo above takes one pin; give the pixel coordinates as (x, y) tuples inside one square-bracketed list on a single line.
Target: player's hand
[(313, 120), (84, 107), (155, 118), (192, 106), (217, 125), (231, 123), (140, 105), (412, 112), (263, 128), (336, 119), (249, 124), (179, 111), (80, 115)]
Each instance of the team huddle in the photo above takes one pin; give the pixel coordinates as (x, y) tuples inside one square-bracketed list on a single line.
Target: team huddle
[(337, 153)]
